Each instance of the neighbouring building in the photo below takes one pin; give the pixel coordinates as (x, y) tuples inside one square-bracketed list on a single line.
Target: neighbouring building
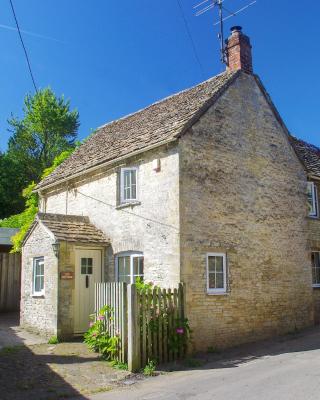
[(205, 187), (5, 239)]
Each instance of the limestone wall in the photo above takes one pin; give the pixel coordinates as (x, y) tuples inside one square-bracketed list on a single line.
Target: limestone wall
[(152, 226), (314, 240), (39, 313), (243, 192)]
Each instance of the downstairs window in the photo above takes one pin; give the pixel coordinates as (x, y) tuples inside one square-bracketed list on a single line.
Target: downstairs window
[(38, 276), (129, 266), (315, 257)]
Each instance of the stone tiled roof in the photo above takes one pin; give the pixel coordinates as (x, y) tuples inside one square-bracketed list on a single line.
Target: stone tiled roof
[(161, 122), (308, 154), (72, 228)]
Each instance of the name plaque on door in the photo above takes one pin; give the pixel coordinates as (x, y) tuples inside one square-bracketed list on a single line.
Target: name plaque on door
[(66, 275)]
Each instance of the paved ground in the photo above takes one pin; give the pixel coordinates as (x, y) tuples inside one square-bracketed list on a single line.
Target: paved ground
[(32, 369), (12, 335), (284, 369)]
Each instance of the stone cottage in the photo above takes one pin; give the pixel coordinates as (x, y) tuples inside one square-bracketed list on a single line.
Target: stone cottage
[(205, 187)]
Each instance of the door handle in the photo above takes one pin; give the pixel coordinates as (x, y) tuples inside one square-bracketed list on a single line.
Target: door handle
[(87, 281)]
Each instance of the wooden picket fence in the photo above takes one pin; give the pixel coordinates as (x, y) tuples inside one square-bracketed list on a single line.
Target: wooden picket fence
[(10, 279), (147, 322), (114, 294)]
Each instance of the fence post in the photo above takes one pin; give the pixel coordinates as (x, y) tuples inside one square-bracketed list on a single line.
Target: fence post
[(133, 329)]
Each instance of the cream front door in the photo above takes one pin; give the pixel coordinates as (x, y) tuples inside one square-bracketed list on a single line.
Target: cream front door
[(88, 271)]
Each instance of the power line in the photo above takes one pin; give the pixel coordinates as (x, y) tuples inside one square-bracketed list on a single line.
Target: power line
[(24, 47), (191, 39)]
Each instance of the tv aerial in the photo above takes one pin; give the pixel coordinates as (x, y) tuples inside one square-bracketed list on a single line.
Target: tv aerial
[(206, 5)]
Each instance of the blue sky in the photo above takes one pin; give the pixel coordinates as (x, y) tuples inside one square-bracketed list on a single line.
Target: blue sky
[(114, 57)]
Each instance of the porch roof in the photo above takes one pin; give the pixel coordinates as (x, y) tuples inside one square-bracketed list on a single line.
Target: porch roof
[(72, 228)]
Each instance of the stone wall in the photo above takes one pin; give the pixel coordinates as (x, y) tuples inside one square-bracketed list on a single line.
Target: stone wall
[(39, 314), (243, 192), (152, 226), (314, 240)]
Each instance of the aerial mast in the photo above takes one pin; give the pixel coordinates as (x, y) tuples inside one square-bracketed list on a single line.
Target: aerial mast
[(218, 3)]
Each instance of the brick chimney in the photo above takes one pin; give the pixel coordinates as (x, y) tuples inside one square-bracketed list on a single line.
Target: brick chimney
[(238, 51)]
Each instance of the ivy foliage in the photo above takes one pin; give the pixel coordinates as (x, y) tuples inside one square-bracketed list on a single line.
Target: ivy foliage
[(24, 220)]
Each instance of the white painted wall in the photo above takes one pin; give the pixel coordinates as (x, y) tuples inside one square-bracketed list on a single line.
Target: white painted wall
[(151, 227)]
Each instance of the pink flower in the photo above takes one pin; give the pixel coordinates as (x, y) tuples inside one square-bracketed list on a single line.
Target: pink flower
[(91, 324), (94, 334), (101, 317), (180, 331)]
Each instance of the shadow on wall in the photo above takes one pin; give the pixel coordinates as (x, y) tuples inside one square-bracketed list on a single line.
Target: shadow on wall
[(25, 375)]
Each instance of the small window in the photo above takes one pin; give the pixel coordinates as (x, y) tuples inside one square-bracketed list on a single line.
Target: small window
[(128, 185), (38, 276), (86, 266), (129, 266), (216, 273), (312, 199), (315, 257)]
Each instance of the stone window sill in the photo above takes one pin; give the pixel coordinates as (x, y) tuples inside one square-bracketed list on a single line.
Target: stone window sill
[(218, 294), (38, 296), (315, 286), (129, 204), (314, 218)]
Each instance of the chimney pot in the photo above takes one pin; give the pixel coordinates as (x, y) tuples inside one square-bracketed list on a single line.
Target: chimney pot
[(238, 51), (236, 28)]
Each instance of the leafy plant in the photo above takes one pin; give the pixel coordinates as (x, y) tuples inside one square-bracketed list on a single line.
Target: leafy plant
[(149, 369), (25, 219), (119, 365), (53, 340), (98, 337), (143, 287), (179, 337)]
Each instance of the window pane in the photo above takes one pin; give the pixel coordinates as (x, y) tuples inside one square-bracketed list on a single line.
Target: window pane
[(37, 284), (315, 256), (90, 262), (138, 266), (211, 264), (312, 199), (212, 281), (133, 177), (219, 281), (124, 265), (219, 264), (89, 271), (133, 192)]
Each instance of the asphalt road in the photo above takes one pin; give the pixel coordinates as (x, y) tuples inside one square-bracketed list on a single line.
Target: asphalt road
[(283, 369)]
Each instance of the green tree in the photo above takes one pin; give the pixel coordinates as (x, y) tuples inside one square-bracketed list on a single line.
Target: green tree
[(25, 219), (47, 128)]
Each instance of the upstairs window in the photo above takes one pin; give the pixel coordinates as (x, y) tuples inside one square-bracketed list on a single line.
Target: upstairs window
[(38, 276), (216, 273), (128, 185), (129, 266), (315, 257), (312, 199)]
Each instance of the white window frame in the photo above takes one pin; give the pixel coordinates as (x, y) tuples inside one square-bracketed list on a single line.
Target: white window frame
[(224, 265), (122, 172), (315, 285), (132, 255), (34, 292), (314, 213)]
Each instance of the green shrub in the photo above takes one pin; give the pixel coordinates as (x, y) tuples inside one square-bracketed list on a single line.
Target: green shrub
[(98, 338), (53, 340), (119, 365), (150, 368)]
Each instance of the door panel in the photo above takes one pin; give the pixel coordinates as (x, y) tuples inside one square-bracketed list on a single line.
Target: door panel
[(88, 272)]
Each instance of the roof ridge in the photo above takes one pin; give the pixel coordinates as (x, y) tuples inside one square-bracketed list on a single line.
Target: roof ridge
[(162, 100)]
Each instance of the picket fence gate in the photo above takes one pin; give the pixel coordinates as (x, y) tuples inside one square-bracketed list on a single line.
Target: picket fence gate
[(146, 322)]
